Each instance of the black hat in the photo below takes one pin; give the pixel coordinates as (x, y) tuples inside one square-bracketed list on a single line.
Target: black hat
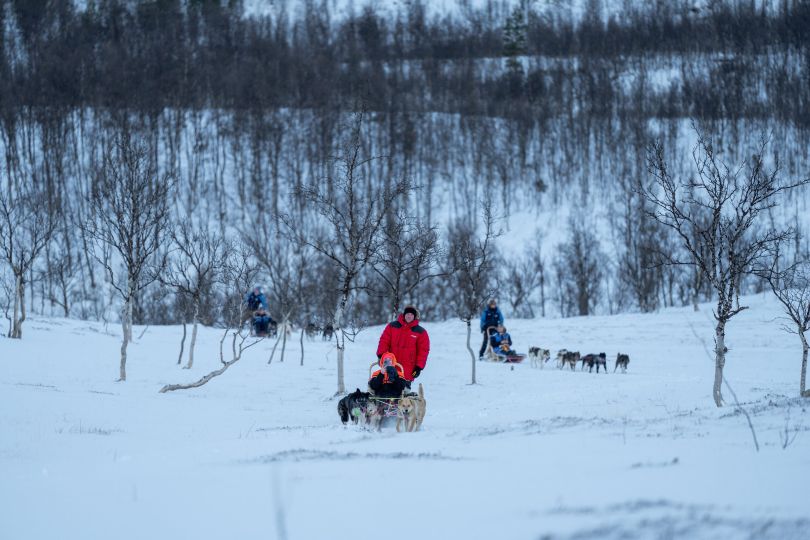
[(411, 309)]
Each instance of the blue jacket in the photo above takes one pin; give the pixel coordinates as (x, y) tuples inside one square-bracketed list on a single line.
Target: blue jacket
[(491, 317), (497, 339), (254, 301)]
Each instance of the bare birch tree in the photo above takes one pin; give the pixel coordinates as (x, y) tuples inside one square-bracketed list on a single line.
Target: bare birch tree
[(352, 208), (409, 255), (791, 287), (26, 227), (197, 260), (524, 277), (128, 221), (238, 273), (579, 269), (473, 275), (730, 243)]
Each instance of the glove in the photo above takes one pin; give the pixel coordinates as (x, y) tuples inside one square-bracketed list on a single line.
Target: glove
[(391, 371), (416, 371), (379, 356)]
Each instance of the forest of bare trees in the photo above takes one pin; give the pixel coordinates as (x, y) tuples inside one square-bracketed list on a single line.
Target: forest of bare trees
[(238, 124)]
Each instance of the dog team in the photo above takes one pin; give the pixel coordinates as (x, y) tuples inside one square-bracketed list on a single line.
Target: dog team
[(539, 357), (401, 356)]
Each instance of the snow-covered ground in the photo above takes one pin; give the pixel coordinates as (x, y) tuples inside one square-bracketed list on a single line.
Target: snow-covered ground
[(527, 453)]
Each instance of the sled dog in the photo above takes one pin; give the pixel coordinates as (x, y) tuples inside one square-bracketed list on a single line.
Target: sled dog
[(352, 407), (421, 408), (374, 414), (597, 360), (592, 360), (411, 410), (571, 358), (561, 358), (621, 361), (406, 413), (539, 356)]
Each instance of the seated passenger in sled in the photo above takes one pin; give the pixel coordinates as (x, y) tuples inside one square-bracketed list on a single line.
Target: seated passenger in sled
[(263, 324), (388, 381), (501, 343)]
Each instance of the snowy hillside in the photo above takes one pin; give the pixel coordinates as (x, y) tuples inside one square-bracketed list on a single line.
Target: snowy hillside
[(259, 452)]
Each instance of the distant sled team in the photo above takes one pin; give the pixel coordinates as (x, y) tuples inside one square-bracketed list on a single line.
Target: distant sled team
[(539, 357)]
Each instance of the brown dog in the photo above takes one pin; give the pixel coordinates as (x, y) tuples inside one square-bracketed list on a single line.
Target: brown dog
[(411, 410), (406, 413), (421, 408)]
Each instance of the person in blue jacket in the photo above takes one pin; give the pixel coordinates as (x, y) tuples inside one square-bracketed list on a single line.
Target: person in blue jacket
[(255, 299), (501, 342), (490, 317), (255, 309)]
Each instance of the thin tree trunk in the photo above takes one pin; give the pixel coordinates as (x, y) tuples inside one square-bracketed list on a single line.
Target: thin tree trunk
[(191, 345), (341, 342), (283, 339), (719, 361), (472, 354), (16, 331), (802, 389), (302, 346), (273, 352), (126, 327), (543, 294), (193, 335), (182, 345)]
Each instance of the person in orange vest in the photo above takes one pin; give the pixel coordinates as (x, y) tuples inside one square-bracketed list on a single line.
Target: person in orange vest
[(408, 341), (388, 381)]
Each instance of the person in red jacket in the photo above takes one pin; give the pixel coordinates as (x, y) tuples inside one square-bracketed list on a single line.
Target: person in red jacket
[(408, 341)]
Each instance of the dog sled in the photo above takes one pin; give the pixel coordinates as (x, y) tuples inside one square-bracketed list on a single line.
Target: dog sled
[(262, 325), (510, 357), (408, 409), (370, 410)]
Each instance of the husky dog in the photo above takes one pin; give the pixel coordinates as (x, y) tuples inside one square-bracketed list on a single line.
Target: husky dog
[(594, 360), (601, 360), (421, 408), (352, 407), (621, 361), (561, 357), (571, 358), (374, 414), (406, 413), (539, 356)]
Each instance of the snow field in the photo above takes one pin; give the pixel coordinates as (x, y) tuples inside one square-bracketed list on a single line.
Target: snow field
[(259, 452)]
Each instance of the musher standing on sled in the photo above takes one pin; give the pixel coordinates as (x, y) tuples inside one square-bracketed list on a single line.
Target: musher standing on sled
[(408, 341), (491, 317)]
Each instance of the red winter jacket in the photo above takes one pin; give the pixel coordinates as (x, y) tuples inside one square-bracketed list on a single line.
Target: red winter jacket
[(409, 343)]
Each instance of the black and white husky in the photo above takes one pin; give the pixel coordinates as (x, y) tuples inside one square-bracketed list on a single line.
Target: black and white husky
[(353, 407), (539, 356)]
